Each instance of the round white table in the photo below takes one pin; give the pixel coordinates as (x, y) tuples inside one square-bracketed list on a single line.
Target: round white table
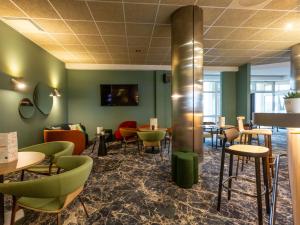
[(25, 160)]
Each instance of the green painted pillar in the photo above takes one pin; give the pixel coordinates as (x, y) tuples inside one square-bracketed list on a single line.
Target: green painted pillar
[(243, 91), (228, 96)]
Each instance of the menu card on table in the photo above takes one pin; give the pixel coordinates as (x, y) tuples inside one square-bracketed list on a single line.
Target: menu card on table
[(8, 147)]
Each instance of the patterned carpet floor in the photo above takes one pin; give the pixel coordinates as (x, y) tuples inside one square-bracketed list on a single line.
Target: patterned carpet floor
[(126, 189)]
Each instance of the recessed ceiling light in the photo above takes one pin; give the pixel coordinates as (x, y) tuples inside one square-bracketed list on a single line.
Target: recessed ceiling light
[(23, 25), (289, 26)]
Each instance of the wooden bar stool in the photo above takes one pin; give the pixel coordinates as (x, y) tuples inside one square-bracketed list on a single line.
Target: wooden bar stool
[(259, 153), (246, 136)]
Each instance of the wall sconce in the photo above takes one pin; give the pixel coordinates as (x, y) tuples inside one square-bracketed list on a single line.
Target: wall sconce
[(55, 93), (18, 84)]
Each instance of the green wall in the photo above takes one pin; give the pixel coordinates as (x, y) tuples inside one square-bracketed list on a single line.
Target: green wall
[(163, 100), (228, 90), (235, 89), (84, 98), (19, 57)]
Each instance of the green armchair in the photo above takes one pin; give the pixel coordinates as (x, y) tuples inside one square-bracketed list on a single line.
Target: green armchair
[(52, 150), (152, 139), (51, 194)]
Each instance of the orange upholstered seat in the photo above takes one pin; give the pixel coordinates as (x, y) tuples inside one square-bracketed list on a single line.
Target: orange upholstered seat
[(75, 136)]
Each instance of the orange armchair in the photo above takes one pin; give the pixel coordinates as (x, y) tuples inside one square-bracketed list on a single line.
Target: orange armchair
[(75, 136)]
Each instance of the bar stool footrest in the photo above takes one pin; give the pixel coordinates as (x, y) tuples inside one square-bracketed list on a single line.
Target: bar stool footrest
[(225, 185)]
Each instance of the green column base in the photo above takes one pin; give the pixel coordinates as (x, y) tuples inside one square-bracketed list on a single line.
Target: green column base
[(185, 168)]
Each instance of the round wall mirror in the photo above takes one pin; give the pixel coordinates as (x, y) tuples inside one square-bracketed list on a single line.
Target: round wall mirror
[(42, 98), (26, 108)]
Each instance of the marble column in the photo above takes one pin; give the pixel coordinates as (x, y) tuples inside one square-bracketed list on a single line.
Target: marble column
[(187, 78), (295, 68)]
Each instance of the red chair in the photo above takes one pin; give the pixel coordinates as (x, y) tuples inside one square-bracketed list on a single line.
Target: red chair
[(125, 124)]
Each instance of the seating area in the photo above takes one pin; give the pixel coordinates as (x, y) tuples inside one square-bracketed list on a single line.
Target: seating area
[(151, 112)]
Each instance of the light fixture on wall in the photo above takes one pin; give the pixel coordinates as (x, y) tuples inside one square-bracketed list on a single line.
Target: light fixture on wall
[(18, 83), (55, 93)]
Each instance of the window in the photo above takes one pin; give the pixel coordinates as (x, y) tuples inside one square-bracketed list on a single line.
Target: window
[(211, 100), (269, 95)]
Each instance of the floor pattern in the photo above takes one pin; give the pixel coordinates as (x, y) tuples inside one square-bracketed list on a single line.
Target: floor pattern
[(126, 189)]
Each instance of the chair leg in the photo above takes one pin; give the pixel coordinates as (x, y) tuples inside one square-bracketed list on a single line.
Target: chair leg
[(22, 175), (13, 210), (83, 205), (94, 146), (161, 153), (237, 167), (125, 146), (230, 174), (142, 152), (243, 162), (258, 191), (50, 169), (221, 180), (58, 219), (265, 177)]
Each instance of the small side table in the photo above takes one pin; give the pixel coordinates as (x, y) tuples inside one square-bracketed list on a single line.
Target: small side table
[(102, 149)]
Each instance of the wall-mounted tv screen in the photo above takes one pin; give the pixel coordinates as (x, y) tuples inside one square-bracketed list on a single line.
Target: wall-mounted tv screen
[(119, 94)]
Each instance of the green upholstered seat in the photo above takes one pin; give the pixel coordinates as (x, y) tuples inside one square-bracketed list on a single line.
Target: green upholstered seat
[(52, 193), (152, 136), (52, 150), (152, 139), (185, 168)]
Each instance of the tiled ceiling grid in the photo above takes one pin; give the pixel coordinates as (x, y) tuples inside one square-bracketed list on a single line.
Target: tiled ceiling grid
[(138, 31)]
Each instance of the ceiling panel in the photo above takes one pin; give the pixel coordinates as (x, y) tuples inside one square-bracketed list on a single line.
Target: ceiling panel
[(242, 33), (83, 27), (37, 8), (218, 32), (233, 17), (111, 28), (140, 13), (215, 3), (164, 14), (177, 2), (139, 31), (263, 18), (138, 41), (134, 29), (162, 31), (282, 4), (210, 15), (91, 39), (114, 40), (107, 11), (96, 48), (9, 9), (70, 9), (53, 26)]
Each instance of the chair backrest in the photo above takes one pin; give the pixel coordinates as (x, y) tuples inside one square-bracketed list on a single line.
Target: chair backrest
[(240, 122), (152, 136), (52, 149), (127, 132), (170, 131), (77, 170), (128, 124), (231, 134)]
